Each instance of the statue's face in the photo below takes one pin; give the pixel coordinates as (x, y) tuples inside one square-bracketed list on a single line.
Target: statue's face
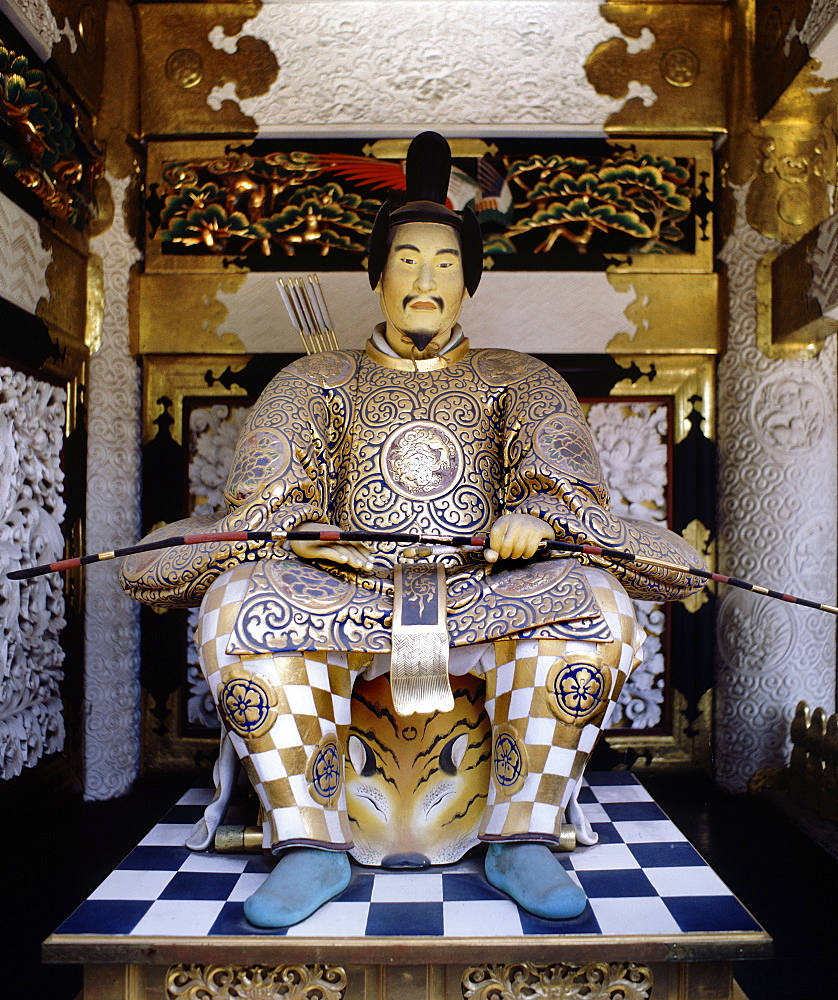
[(422, 288)]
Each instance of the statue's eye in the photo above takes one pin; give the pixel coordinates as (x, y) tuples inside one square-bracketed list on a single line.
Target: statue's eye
[(361, 756), (451, 755)]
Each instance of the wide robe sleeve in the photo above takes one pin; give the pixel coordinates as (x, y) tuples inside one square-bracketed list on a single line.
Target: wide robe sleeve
[(553, 473), (281, 476)]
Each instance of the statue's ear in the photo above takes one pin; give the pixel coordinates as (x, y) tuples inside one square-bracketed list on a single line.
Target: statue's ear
[(377, 247)]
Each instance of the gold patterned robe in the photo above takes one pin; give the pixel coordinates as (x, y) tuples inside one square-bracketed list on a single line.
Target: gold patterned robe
[(364, 440)]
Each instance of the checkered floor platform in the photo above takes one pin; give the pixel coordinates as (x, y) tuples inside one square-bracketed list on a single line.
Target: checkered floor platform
[(643, 877)]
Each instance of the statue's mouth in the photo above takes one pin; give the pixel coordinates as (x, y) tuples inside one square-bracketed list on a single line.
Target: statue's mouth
[(430, 302)]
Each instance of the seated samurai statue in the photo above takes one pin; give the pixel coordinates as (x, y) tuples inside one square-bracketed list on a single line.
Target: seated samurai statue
[(418, 432)]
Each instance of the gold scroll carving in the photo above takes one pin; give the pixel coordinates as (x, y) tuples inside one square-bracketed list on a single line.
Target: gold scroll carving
[(795, 171), (558, 981), (782, 151), (255, 982), (782, 140)]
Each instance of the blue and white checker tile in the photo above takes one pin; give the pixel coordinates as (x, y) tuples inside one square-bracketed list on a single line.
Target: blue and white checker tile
[(642, 878)]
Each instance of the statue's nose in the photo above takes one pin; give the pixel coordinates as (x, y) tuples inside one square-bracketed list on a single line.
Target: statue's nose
[(411, 859), (425, 278)]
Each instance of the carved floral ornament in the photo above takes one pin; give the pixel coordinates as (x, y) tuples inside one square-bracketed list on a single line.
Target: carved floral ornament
[(518, 981), (680, 67), (255, 982), (185, 68), (43, 144), (31, 613), (320, 201), (39, 16), (558, 981)]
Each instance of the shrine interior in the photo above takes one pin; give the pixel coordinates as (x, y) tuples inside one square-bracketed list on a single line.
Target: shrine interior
[(163, 163)]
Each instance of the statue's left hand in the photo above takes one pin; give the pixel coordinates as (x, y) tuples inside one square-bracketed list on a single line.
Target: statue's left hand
[(516, 536), (356, 555)]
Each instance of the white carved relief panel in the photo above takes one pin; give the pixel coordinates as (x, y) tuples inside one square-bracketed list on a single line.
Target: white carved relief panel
[(213, 432), (23, 259), (31, 611), (820, 19), (632, 442), (364, 62), (777, 512), (112, 687)]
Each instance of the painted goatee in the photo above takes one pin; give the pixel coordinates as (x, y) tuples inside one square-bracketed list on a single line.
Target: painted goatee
[(421, 340)]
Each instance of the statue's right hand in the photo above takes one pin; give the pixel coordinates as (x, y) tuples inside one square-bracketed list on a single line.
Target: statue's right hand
[(356, 555)]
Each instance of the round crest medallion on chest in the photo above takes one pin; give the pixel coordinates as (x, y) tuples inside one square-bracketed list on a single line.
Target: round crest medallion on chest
[(421, 460)]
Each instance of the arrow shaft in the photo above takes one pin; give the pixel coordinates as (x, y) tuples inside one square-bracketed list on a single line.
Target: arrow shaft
[(476, 541), (331, 535), (733, 581)]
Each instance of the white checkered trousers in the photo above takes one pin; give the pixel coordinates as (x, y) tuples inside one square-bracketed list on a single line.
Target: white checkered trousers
[(548, 701), (288, 717)]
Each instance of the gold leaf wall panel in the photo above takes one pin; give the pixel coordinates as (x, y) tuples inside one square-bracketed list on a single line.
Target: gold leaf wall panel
[(81, 64), (176, 313), (778, 54), (671, 313), (66, 307), (681, 57), (180, 314), (179, 67), (790, 319)]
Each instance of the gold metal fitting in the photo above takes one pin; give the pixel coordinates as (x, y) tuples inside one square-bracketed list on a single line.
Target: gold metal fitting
[(567, 838), (235, 839)]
